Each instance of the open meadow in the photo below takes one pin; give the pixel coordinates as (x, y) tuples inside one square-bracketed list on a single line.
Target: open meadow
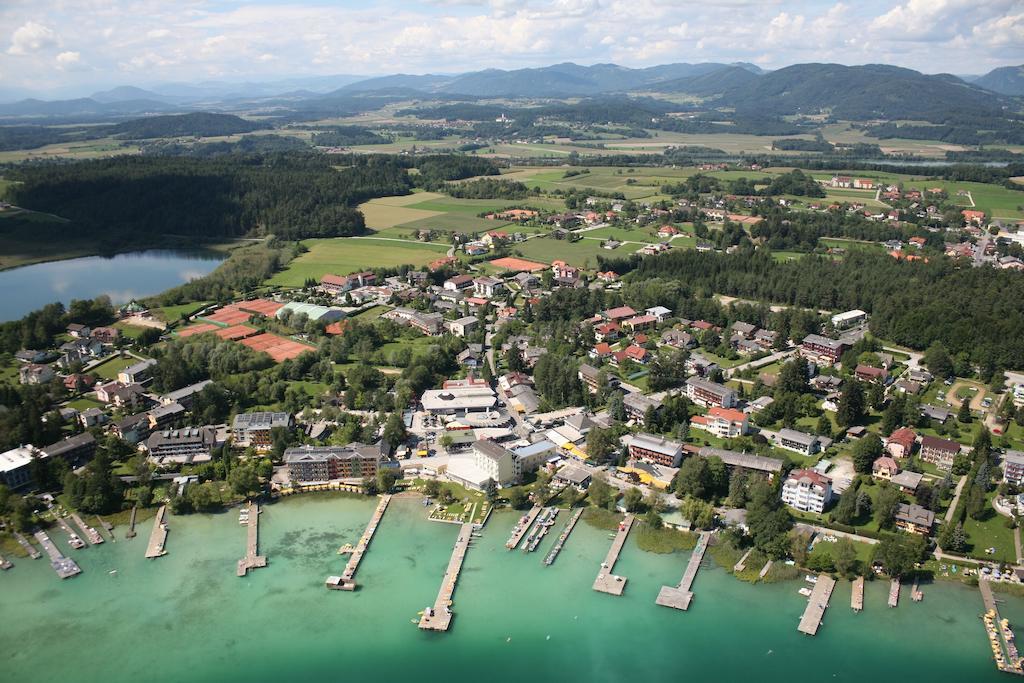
[(343, 255)]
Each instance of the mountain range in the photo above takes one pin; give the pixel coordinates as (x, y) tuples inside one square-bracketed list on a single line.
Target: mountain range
[(871, 91)]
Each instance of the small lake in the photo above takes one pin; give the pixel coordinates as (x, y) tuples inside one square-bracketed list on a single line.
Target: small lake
[(123, 277)]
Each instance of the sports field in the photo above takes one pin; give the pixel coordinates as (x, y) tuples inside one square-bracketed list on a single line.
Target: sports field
[(344, 255)]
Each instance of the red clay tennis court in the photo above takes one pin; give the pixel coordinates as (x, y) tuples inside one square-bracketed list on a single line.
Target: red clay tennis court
[(240, 312), (513, 263), (229, 315), (235, 332), (193, 330), (276, 347), (261, 306)]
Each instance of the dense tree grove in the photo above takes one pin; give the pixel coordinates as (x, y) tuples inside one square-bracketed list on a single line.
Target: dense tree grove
[(975, 311)]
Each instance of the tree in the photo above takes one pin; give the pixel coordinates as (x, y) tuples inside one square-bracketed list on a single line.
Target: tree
[(243, 480), (963, 413), (601, 444), (845, 556), (693, 479), (616, 407), (793, 377), (851, 404), (824, 426), (952, 538), (632, 499), (898, 553), (885, 505), (767, 520), (517, 498), (798, 547), (845, 510), (601, 493), (937, 360), (394, 431), (386, 478), (866, 451)]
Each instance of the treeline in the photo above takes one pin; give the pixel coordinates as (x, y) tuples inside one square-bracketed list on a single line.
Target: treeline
[(289, 195), (978, 312), (802, 230), (436, 170), (37, 329), (971, 131), (345, 136), (244, 270), (488, 188), (801, 145), (34, 137), (199, 124), (247, 144)]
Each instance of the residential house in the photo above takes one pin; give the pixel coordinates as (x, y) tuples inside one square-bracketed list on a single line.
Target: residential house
[(660, 313), (637, 405), (900, 443), (725, 423), (120, 395), (354, 461), (822, 349), (16, 467), (487, 286), (255, 429), (462, 326), (590, 376), (471, 357), (939, 452), (744, 461), (743, 330), (137, 373), (807, 490), (192, 445), (1013, 467), (618, 314), (867, 373), (798, 442), (35, 374), (31, 356), (914, 519), (707, 393), (677, 339), (79, 331), (458, 283), (107, 336), (91, 417), (640, 322), (74, 450), (656, 449), (186, 395), (884, 468)]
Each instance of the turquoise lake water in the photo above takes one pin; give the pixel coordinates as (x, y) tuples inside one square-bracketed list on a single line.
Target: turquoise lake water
[(123, 277), (186, 616)]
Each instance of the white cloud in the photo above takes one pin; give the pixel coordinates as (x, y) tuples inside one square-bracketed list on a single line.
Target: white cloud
[(68, 60), (31, 37)]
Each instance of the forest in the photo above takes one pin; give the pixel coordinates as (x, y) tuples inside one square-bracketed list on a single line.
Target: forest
[(198, 124), (345, 136)]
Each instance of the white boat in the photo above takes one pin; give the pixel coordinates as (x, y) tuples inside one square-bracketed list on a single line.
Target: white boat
[(805, 591), (811, 579)]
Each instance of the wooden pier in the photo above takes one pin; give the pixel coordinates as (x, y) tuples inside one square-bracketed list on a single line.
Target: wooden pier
[(606, 582), (1000, 635), (915, 591), (347, 580), (89, 533), (765, 569), (439, 617), (810, 622), (557, 548), (64, 566), (742, 564), (252, 560), (104, 524), (894, 593), (857, 596), (73, 538), (158, 537), (679, 597), (131, 523), (522, 526), (4, 563), (28, 547)]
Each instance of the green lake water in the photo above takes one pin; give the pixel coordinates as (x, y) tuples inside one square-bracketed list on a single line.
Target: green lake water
[(187, 617)]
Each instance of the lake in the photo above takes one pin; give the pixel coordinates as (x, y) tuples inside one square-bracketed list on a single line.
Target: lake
[(123, 277)]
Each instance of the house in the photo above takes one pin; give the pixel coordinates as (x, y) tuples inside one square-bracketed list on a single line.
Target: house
[(590, 376), (798, 442), (31, 356), (525, 280), (758, 404), (939, 452), (192, 445), (523, 399), (458, 401), (656, 449), (475, 248), (133, 428), (668, 231), (91, 417), (186, 395), (120, 395), (743, 330), (79, 331), (822, 349), (471, 357), (660, 313), (841, 321), (678, 339), (35, 374), (607, 331), (885, 468), (574, 476), (325, 463), (336, 284), (906, 386), (725, 423), (106, 336), (744, 461), (494, 238), (900, 443), (867, 373), (935, 413), (136, 373), (637, 405), (78, 350), (807, 490), (458, 283), (487, 286), (1013, 467), (510, 380), (972, 216), (640, 322), (255, 429), (16, 467), (75, 450), (618, 314), (462, 326), (708, 394), (765, 338), (907, 481), (914, 519)]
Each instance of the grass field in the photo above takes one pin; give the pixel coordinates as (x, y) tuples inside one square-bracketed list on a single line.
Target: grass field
[(457, 222), (110, 368), (343, 255), (170, 314), (582, 254)]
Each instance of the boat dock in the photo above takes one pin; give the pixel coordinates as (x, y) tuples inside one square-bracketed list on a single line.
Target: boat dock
[(679, 597), (540, 529), (88, 532), (857, 597), (158, 537), (522, 526), (810, 622), (742, 564), (915, 591), (64, 566), (894, 593), (606, 582), (5, 564), (557, 548), (1000, 635), (439, 617), (108, 526), (131, 523), (73, 539), (252, 560), (765, 569), (347, 580), (29, 548)]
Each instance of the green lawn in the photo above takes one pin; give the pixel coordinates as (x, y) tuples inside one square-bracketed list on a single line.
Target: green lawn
[(990, 532), (130, 331), (109, 369), (343, 255), (457, 222), (582, 254), (83, 403), (170, 314)]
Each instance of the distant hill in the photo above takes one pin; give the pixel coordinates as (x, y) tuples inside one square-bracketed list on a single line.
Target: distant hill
[(1007, 80), (198, 124), (718, 82), (81, 107), (126, 93)]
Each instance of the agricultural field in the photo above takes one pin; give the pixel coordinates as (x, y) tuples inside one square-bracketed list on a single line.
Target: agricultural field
[(343, 255), (583, 253), (84, 149)]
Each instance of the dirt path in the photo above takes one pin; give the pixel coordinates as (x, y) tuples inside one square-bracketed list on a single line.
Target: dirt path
[(975, 404)]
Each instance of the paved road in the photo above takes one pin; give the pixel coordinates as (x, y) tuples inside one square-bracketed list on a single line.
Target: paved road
[(760, 362), (956, 498)]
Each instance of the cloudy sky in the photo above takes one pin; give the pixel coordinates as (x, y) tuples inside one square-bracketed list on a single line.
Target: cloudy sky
[(77, 45)]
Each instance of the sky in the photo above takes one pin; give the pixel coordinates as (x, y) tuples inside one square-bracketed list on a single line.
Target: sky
[(75, 46)]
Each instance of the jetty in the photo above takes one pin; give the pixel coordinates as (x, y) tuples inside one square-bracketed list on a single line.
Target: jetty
[(810, 622), (158, 537), (557, 548), (679, 597), (540, 529), (73, 539), (439, 617), (742, 564), (347, 580), (765, 569), (857, 597), (89, 532), (108, 526), (606, 582), (64, 566), (28, 547), (894, 593), (131, 523), (1000, 635), (4, 563), (915, 591), (522, 526), (252, 560)]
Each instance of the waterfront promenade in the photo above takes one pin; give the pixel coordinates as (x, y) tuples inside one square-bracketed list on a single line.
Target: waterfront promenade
[(347, 580), (158, 537), (679, 597), (810, 622), (606, 581), (439, 617), (64, 566), (252, 560)]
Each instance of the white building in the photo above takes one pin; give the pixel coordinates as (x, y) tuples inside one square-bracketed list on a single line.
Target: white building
[(459, 400), (849, 318), (725, 423), (798, 442), (15, 467), (807, 490)]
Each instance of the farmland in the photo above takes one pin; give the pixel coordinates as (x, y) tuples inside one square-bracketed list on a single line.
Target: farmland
[(343, 255)]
